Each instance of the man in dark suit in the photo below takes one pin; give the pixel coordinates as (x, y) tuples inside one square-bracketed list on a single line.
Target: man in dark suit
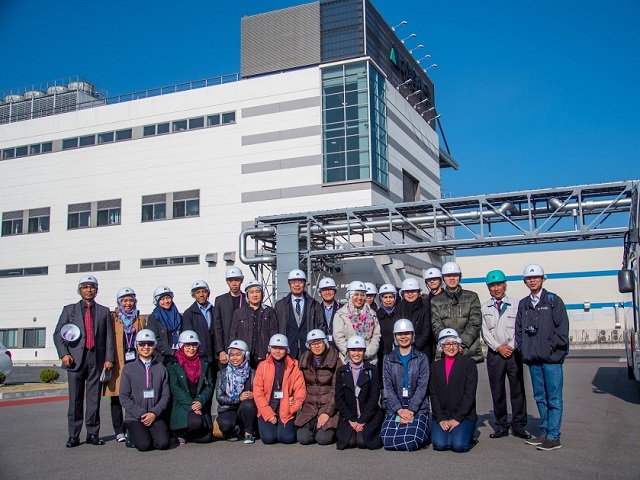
[(225, 306), (199, 318), (298, 314), (84, 341)]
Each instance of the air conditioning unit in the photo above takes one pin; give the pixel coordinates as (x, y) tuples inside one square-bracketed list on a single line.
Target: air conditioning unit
[(602, 336)]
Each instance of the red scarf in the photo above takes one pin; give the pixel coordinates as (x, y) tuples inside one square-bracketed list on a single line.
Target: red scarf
[(192, 366)]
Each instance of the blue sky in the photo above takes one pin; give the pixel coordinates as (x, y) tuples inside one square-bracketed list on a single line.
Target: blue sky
[(532, 94)]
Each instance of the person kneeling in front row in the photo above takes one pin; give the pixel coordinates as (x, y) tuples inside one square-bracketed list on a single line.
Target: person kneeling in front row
[(144, 394)]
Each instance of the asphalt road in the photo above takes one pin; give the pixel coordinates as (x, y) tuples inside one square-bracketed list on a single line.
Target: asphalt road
[(600, 438)]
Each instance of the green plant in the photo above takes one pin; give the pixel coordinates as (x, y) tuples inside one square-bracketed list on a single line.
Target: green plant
[(49, 375), (3, 377)]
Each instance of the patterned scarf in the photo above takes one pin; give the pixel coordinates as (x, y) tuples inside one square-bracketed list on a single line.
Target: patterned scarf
[(361, 320), (127, 319), (171, 319), (192, 366), (236, 378)]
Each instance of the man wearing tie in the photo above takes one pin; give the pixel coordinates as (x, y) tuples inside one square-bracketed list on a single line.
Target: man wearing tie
[(84, 340)]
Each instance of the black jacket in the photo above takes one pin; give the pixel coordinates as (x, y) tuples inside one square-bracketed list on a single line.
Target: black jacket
[(313, 317), (420, 315), (164, 343), (242, 329), (222, 318), (457, 399), (193, 319)]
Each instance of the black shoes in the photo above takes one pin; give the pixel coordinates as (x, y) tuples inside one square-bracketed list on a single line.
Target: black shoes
[(130, 444), (523, 434), (73, 442), (94, 440), (499, 434)]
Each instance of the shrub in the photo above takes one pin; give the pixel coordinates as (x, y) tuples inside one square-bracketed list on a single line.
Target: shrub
[(49, 375), (3, 377)]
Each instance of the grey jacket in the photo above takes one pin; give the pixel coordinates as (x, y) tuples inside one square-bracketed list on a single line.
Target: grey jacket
[(132, 387)]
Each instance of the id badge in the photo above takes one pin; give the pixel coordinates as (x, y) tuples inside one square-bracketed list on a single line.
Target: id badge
[(148, 393), (405, 392), (330, 338), (174, 346), (358, 389), (129, 356), (278, 395)]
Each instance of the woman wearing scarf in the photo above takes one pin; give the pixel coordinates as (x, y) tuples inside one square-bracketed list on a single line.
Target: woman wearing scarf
[(191, 382), (126, 323), (237, 412), (318, 419), (166, 323), (453, 384), (357, 391), (418, 310), (357, 318), (387, 314)]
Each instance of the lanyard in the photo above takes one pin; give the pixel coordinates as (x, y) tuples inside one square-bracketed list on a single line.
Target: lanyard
[(146, 371), (129, 339)]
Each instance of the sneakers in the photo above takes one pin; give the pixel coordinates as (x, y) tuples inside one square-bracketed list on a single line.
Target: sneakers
[(121, 437), (249, 439), (549, 444), (535, 441), (182, 441)]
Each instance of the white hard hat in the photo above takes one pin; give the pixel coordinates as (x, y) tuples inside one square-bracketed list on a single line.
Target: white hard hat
[(279, 340), (70, 332), (533, 270), (450, 268), (87, 279), (327, 283), (188, 336), (198, 284), (125, 292), (387, 288), (410, 284), (297, 274), (160, 292), (403, 325), (316, 334), (448, 334), (233, 272), (357, 286), (432, 273), (238, 345), (252, 283), (356, 341), (371, 288), (146, 335)]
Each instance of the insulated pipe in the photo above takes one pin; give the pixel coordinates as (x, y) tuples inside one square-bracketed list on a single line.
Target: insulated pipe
[(257, 232)]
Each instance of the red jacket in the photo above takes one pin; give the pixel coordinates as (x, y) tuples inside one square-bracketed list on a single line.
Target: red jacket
[(293, 387)]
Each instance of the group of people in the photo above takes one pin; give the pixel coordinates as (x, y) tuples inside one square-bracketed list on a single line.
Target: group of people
[(385, 369)]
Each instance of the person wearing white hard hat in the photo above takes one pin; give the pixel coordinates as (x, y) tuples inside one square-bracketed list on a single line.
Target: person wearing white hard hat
[(387, 315), (357, 318), (237, 412), (84, 354), (433, 281), (126, 321), (357, 391), (225, 306), (371, 294), (145, 396), (503, 360), (298, 313), (328, 289), (166, 323), (452, 388), (279, 392), (318, 418), (192, 387), (199, 318), (254, 323), (406, 380), (459, 309), (418, 310), (542, 336)]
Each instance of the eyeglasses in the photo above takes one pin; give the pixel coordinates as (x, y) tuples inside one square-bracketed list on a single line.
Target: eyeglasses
[(357, 295), (190, 345), (450, 345), (146, 344)]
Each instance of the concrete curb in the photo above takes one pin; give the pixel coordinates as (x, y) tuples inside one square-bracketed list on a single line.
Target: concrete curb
[(49, 392)]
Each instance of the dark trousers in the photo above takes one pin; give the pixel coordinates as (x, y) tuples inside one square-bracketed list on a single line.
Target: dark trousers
[(308, 434), (498, 368), (245, 418), (197, 430), (117, 418), (86, 379), (146, 438), (280, 432)]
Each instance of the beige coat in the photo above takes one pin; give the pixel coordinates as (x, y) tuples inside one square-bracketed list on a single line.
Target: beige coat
[(112, 387)]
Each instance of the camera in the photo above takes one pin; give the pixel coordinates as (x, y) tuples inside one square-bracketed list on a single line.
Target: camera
[(531, 329)]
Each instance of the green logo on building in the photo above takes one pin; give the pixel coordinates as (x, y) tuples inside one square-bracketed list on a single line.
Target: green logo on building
[(392, 56)]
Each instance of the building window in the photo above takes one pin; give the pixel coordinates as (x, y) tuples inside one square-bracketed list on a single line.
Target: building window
[(79, 216), (410, 188), (22, 151), (88, 140), (109, 212), (229, 117), (8, 153), (196, 123), (69, 143), (106, 137), (39, 219), (186, 204), (24, 272), (169, 261), (180, 126), (124, 135), (9, 338), (92, 267), (378, 116), (213, 120), (154, 207), (33, 337), (12, 223)]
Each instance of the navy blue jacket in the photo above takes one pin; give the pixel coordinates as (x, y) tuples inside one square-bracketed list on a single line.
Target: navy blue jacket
[(393, 379)]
